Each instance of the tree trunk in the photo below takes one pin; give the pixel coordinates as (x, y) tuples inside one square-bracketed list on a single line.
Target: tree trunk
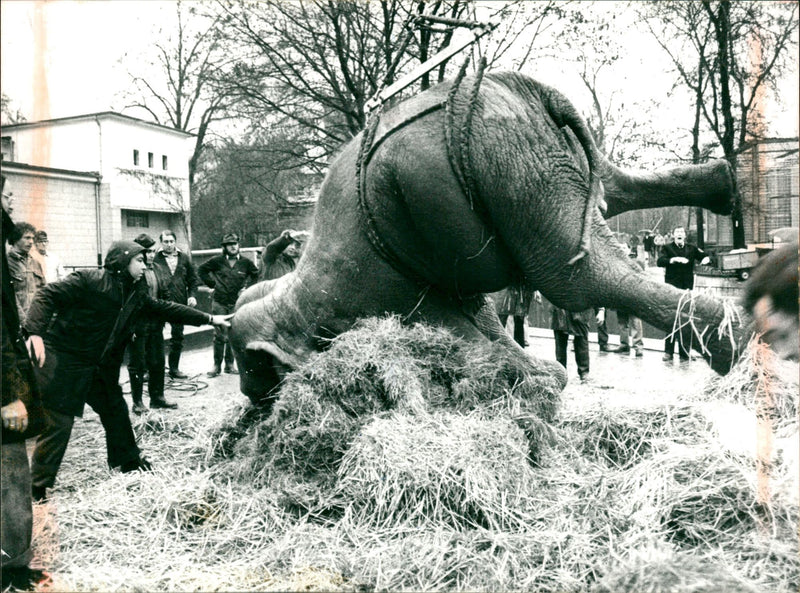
[(722, 29)]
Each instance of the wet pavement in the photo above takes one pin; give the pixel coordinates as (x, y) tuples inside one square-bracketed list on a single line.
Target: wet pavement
[(623, 378)]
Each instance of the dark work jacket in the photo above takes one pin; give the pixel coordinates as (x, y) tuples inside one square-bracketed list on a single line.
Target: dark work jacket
[(96, 312), (275, 262), (227, 281), (181, 285), (679, 275), (18, 381)]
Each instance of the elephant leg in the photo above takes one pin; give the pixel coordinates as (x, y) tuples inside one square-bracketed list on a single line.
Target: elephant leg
[(489, 325), (718, 329), (711, 186)]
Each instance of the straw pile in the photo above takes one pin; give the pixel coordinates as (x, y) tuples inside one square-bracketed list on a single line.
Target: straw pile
[(762, 382), (424, 469), (405, 459)]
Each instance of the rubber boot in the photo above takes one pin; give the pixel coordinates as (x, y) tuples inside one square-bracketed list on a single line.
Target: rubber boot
[(229, 368), (219, 350), (174, 359), (157, 399), (137, 384)]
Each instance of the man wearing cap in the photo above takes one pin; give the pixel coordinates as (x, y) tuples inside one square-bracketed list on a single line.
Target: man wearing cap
[(146, 350), (79, 328), (228, 274), (178, 283), (51, 264)]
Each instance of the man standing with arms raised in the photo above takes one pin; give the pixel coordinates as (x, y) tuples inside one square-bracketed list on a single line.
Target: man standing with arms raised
[(178, 283), (228, 274), (678, 258)]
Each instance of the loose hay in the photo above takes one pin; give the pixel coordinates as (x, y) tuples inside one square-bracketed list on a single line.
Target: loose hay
[(461, 471), (625, 436), (665, 571), (415, 473), (381, 366), (762, 382)]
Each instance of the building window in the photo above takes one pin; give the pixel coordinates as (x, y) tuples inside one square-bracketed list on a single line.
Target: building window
[(135, 157), (150, 159), (137, 219), (164, 162)]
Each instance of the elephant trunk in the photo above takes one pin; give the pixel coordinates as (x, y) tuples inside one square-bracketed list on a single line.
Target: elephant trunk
[(718, 329), (711, 186)]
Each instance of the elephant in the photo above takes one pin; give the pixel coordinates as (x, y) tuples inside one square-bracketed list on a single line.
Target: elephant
[(462, 190)]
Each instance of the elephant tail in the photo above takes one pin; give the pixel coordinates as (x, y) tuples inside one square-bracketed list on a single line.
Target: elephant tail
[(564, 114)]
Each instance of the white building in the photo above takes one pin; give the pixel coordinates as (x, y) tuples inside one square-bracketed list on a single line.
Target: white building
[(92, 179)]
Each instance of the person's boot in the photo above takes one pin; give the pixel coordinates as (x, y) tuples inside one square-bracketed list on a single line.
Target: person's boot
[(38, 493), (160, 402), (138, 464), (174, 361), (219, 350), (137, 383), (157, 400), (229, 368)]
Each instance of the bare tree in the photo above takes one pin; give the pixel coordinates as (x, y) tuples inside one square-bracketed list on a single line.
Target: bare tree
[(8, 113), (177, 87), (712, 46), (317, 63)]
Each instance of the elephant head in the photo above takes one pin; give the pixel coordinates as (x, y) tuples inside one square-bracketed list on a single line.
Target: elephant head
[(458, 192)]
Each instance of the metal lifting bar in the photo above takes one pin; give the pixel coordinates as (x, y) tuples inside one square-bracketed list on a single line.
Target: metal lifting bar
[(477, 30)]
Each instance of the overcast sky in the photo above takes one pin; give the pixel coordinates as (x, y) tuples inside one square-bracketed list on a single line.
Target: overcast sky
[(65, 58)]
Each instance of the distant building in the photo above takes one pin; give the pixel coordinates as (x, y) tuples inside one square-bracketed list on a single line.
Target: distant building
[(92, 179), (768, 177)]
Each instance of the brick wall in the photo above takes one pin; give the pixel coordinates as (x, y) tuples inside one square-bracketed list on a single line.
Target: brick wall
[(65, 208)]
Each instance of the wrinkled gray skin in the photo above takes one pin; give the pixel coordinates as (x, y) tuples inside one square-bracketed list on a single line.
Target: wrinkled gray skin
[(532, 182)]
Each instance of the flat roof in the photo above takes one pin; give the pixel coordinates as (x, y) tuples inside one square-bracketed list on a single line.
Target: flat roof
[(37, 169), (101, 115)]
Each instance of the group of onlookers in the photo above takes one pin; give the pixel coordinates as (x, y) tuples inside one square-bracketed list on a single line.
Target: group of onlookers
[(63, 342), (677, 257)]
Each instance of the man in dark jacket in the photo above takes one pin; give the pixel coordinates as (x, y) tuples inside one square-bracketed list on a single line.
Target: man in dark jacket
[(21, 418), (678, 260), (228, 274), (178, 283), (95, 312), (281, 255)]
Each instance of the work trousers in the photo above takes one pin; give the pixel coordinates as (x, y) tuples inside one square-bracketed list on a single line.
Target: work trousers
[(221, 344), (16, 512), (175, 339), (519, 328), (630, 331), (669, 346), (146, 352), (52, 443), (602, 334), (581, 340)]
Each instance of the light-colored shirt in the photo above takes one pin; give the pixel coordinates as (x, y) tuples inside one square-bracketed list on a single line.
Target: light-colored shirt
[(51, 266), (172, 261)]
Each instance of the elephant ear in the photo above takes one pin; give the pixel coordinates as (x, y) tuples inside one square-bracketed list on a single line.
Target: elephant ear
[(287, 358)]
